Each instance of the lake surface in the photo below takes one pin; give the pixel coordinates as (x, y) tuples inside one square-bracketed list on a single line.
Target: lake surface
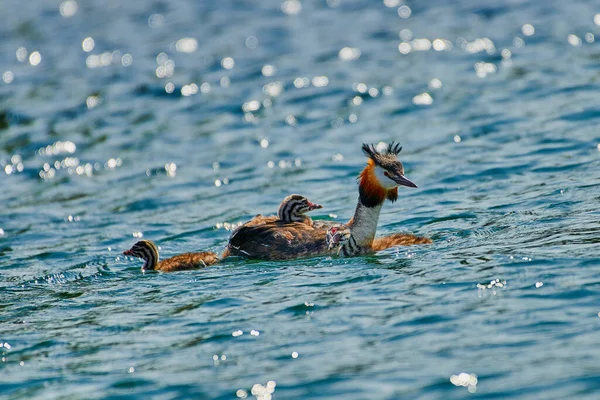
[(174, 121)]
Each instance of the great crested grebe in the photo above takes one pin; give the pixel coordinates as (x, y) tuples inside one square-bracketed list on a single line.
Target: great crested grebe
[(147, 251), (292, 209), (378, 181)]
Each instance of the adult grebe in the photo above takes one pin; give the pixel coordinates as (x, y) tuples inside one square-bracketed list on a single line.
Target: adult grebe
[(378, 181), (147, 251)]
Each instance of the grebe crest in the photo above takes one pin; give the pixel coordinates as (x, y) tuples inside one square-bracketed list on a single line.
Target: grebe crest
[(293, 208), (147, 251), (382, 175)]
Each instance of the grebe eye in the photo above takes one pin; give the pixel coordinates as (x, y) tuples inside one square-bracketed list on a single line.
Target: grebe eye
[(386, 173)]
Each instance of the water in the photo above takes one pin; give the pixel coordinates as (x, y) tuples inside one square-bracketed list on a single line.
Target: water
[(498, 119)]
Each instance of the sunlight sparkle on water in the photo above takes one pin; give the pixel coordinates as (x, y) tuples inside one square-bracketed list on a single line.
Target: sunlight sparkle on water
[(186, 45), (21, 54), (92, 101), (483, 69), (574, 40), (8, 77), (349, 53), (188, 90), (68, 8), (58, 148), (423, 99), (273, 89), (171, 169), (589, 37), (126, 60), (291, 120), (465, 379), (35, 58), (477, 45), (528, 29), (268, 70), (88, 44), (421, 44), (228, 63), (442, 45), (156, 20), (435, 83), (301, 82), (404, 12), (263, 392), (291, 7), (320, 81), (404, 48), (251, 42)]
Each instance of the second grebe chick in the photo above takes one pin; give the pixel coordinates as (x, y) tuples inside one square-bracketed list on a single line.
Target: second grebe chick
[(147, 251), (292, 209)]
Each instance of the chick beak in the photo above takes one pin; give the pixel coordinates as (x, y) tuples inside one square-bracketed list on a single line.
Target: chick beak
[(403, 181), (128, 253), (313, 206)]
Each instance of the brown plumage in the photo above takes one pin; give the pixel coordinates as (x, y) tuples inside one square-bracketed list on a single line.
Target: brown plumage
[(147, 251), (277, 240), (378, 181), (398, 239)]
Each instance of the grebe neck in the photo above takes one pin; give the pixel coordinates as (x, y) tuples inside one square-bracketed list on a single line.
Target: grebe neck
[(371, 196), (364, 223), (149, 254)]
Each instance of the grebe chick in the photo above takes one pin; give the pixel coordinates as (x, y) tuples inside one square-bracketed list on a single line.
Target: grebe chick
[(292, 209), (378, 181), (337, 237), (147, 251)]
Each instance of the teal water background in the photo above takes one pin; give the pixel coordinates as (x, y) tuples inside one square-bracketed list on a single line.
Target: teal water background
[(176, 120)]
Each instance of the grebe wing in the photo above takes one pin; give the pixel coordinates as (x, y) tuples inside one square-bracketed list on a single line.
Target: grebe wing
[(277, 241), (261, 220), (398, 239)]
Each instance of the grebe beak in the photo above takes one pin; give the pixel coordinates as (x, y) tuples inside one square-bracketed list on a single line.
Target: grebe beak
[(128, 253), (403, 181), (313, 206)]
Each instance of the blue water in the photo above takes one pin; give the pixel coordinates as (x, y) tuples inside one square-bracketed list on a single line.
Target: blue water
[(177, 120)]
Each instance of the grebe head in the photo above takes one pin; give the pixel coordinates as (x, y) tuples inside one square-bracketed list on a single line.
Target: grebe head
[(382, 175), (338, 236), (293, 208), (388, 169), (147, 251)]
